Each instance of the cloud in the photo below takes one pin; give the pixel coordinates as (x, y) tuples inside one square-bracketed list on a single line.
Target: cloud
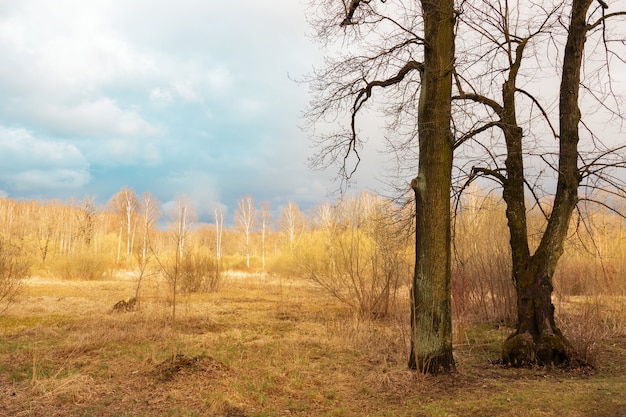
[(128, 92), (35, 164), (199, 187), (120, 151), (101, 117)]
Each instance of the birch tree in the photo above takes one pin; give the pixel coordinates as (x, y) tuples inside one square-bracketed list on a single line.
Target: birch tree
[(125, 205), (150, 212), (293, 223), (219, 229), (265, 218), (245, 217)]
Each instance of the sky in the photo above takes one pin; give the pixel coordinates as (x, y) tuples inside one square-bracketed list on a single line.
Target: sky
[(191, 97)]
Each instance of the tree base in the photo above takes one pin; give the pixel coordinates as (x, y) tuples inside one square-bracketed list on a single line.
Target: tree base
[(434, 364), (524, 349)]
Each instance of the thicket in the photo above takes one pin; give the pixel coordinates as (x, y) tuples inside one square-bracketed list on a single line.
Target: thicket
[(359, 249)]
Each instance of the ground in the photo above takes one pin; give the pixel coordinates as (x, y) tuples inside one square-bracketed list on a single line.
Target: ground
[(264, 346)]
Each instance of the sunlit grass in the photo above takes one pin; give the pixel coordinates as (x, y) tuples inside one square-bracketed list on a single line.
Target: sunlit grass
[(264, 347)]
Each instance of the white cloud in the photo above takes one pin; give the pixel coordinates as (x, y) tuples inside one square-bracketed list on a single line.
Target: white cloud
[(40, 179), (119, 151), (161, 96), (31, 163), (252, 106), (199, 186), (101, 117), (186, 91), (219, 78), (125, 84)]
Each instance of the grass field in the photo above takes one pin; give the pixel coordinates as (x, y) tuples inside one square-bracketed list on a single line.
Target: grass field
[(264, 347)]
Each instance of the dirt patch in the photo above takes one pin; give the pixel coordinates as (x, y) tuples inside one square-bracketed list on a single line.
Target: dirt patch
[(178, 365)]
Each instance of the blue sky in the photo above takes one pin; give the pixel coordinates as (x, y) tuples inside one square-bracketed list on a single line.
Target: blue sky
[(190, 97)]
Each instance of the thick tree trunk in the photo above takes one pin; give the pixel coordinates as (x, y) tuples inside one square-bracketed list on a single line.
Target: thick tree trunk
[(537, 340), (431, 312)]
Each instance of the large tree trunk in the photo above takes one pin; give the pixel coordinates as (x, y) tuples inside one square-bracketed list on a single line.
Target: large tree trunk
[(537, 340), (431, 312)]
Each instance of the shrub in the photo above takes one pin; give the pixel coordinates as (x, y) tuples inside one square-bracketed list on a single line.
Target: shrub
[(14, 268), (361, 260), (84, 264), (199, 272)]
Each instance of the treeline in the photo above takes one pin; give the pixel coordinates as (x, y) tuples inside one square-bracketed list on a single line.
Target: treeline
[(360, 249)]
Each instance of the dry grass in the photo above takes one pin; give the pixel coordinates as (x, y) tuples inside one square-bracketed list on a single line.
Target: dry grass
[(263, 347)]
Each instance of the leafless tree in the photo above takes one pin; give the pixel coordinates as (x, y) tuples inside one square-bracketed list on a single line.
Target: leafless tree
[(150, 213), (508, 33), (219, 230), (181, 217), (245, 216), (125, 205), (265, 218), (293, 222), (403, 53)]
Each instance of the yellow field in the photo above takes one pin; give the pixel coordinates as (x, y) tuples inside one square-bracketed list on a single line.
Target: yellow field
[(265, 347)]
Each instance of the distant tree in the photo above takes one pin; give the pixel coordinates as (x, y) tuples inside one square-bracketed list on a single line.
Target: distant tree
[(181, 217), (125, 205), (150, 213), (245, 217), (293, 223), (47, 224), (219, 230), (86, 216), (265, 218)]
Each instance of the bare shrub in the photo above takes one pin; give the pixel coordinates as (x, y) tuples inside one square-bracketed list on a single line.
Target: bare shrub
[(83, 264), (588, 321), (482, 286), (594, 260), (359, 257), (199, 272), (14, 268)]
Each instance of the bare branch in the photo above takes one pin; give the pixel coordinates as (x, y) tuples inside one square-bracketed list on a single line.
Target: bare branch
[(365, 95), (603, 19), (543, 111), (478, 98), (469, 135)]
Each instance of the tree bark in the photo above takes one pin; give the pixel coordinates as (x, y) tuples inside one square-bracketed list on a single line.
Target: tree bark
[(431, 312), (537, 339)]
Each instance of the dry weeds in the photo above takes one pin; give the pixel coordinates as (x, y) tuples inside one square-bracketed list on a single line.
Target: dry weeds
[(265, 347)]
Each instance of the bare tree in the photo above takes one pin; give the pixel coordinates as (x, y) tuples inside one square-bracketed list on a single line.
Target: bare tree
[(245, 216), (182, 215), (405, 54), (219, 230), (537, 338), (293, 222), (150, 213), (265, 218), (86, 216), (125, 205)]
